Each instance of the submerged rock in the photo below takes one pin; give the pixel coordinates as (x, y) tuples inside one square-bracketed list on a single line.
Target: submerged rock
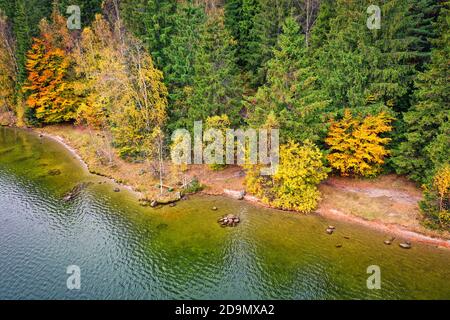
[(75, 192), (389, 241), (54, 172), (405, 245)]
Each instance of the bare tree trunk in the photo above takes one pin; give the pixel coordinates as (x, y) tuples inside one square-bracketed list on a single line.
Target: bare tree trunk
[(161, 165)]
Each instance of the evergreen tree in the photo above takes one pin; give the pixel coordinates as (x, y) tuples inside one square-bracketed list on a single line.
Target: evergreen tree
[(8, 7), (292, 90), (152, 22), (233, 17), (217, 88), (179, 69), (28, 13), (426, 146), (327, 12), (369, 69)]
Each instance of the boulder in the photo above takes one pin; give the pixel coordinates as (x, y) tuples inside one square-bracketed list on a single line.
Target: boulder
[(405, 245), (238, 195)]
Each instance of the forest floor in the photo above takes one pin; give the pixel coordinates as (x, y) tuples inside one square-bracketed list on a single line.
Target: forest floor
[(388, 203)]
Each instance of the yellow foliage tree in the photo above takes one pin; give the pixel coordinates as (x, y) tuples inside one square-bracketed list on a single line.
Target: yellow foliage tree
[(441, 182), (294, 185), (356, 145), (123, 92), (301, 170), (8, 71)]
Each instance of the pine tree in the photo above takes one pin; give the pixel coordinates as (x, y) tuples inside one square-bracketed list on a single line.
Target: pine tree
[(267, 25), (233, 17), (292, 91), (25, 25), (217, 88), (179, 69), (322, 27), (426, 146), (152, 22)]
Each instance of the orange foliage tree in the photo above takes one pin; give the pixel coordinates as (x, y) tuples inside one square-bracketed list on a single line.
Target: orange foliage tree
[(356, 145), (48, 89)]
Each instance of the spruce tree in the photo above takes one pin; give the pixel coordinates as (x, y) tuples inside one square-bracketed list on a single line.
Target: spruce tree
[(152, 22), (427, 146), (179, 69), (292, 90), (216, 87)]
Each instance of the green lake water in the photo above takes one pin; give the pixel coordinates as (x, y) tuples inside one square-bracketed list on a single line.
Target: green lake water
[(126, 251)]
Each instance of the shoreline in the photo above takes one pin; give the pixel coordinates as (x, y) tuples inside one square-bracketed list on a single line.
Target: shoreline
[(80, 159), (390, 229)]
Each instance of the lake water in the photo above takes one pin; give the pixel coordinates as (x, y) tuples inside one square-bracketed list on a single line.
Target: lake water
[(126, 251)]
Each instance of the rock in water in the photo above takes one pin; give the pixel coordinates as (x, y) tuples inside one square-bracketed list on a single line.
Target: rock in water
[(214, 208), (238, 195), (116, 190), (229, 221), (330, 231), (405, 245), (72, 194), (387, 242), (54, 172)]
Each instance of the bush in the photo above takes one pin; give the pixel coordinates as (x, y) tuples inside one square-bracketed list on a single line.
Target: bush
[(194, 187)]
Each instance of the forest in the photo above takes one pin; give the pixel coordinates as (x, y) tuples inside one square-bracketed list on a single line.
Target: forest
[(349, 100)]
